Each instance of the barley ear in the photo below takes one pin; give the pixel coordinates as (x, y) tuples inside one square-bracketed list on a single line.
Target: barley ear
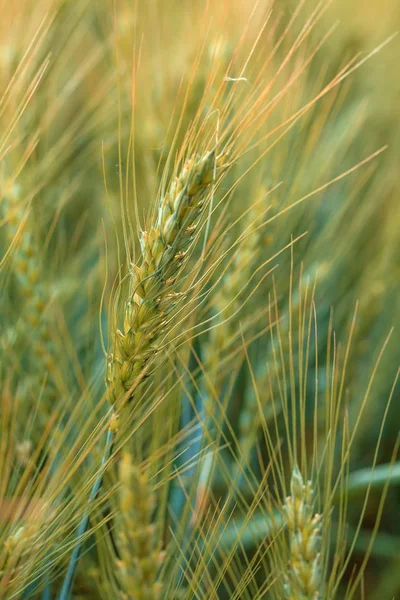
[(165, 249)]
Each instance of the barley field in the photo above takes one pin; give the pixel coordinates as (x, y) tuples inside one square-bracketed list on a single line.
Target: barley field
[(200, 290)]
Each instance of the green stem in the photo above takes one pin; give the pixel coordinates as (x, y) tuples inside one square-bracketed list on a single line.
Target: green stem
[(73, 562)]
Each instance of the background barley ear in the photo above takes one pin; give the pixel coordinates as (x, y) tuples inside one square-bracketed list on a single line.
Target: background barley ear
[(228, 299), (34, 332), (139, 542), (17, 549), (222, 351)]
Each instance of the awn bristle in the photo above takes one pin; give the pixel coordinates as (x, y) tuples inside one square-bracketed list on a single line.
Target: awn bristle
[(273, 377)]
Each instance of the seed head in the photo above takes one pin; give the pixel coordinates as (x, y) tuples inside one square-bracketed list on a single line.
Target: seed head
[(165, 248)]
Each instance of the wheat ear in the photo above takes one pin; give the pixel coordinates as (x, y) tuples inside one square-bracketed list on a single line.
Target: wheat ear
[(165, 249), (303, 580)]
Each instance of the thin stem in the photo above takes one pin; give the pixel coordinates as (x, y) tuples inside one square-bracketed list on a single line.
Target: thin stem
[(73, 562)]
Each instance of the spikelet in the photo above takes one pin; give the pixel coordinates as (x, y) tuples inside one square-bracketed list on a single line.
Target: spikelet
[(303, 580), (138, 539), (165, 249)]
